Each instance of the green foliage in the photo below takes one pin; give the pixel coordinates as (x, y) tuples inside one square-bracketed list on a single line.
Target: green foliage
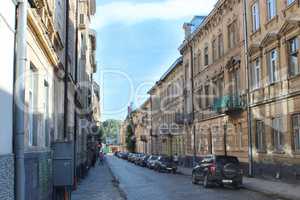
[(110, 129), (130, 141)]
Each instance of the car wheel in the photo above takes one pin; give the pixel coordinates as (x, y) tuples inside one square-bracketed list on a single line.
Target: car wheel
[(206, 182), (194, 179), (236, 186)]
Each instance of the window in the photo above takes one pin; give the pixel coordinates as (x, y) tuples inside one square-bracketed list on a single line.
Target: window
[(199, 61), (272, 66), (260, 135), (255, 17), (215, 50), (206, 91), (220, 45), (46, 113), (81, 19), (220, 85), (33, 87), (232, 34), (293, 57), (255, 73), (296, 130), (235, 83), (277, 126), (271, 6), (240, 135), (289, 2), (206, 57)]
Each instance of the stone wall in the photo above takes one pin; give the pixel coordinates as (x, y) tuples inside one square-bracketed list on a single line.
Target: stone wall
[(7, 177)]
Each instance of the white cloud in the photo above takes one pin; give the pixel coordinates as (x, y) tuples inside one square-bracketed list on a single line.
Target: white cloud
[(127, 12)]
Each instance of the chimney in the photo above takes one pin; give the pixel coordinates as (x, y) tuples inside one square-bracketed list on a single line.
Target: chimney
[(187, 29)]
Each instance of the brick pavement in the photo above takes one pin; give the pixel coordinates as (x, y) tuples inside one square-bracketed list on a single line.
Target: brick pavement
[(98, 185)]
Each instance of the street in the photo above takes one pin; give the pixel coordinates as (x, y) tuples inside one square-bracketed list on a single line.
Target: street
[(141, 183)]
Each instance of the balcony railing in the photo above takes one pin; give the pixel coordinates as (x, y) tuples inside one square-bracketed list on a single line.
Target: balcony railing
[(229, 104)]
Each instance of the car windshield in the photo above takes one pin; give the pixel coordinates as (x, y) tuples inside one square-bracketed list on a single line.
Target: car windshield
[(153, 157), (226, 159), (165, 159)]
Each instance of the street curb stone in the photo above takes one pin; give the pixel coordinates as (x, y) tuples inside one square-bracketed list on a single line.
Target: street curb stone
[(116, 182)]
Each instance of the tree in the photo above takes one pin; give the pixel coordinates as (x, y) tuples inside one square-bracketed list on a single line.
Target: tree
[(130, 139), (110, 129)]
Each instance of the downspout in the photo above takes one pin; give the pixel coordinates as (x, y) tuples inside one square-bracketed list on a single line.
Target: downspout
[(193, 115), (75, 97), (249, 115), (19, 99), (151, 125), (66, 78), (67, 193)]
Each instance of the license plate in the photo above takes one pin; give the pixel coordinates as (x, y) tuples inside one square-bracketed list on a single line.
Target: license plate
[(227, 181), (169, 168)]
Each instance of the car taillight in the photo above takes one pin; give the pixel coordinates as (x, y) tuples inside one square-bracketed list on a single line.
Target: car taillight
[(212, 169)]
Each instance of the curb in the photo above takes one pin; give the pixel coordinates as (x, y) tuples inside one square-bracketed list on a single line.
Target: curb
[(271, 194), (116, 182), (254, 189)]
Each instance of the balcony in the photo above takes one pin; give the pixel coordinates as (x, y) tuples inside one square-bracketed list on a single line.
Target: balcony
[(230, 104)]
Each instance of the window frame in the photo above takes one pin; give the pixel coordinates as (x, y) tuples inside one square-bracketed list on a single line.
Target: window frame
[(273, 71), (220, 45), (271, 13), (291, 54), (260, 135), (294, 129), (232, 32), (206, 56), (255, 16), (33, 103), (256, 73), (278, 134)]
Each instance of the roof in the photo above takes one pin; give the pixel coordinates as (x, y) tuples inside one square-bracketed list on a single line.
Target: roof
[(203, 23)]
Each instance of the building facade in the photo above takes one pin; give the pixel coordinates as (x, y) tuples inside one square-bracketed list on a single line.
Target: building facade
[(273, 37), (215, 74), (7, 37), (51, 83)]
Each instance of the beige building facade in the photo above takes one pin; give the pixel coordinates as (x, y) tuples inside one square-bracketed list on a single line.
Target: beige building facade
[(274, 34), (215, 84)]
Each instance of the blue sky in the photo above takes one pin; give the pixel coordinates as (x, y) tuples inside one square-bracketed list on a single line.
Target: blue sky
[(137, 41)]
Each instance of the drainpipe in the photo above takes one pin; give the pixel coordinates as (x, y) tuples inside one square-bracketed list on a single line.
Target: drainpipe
[(249, 115), (19, 99), (193, 115), (225, 139), (75, 97), (66, 78)]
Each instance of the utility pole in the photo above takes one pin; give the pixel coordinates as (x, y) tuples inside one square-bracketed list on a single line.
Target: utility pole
[(19, 99)]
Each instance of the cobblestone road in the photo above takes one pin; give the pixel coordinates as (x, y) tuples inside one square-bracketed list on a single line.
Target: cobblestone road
[(144, 184), (97, 186)]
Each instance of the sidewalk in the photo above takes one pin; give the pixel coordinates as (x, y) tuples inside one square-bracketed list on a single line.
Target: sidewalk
[(98, 185), (280, 189)]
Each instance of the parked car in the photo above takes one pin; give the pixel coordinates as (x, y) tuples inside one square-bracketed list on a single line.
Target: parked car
[(151, 161), (138, 158), (218, 170), (144, 161), (131, 157), (165, 163)]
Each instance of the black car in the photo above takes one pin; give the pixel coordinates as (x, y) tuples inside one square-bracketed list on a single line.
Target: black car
[(218, 170), (165, 163)]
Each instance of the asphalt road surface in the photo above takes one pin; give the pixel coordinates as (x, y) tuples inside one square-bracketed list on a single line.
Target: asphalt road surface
[(143, 184)]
